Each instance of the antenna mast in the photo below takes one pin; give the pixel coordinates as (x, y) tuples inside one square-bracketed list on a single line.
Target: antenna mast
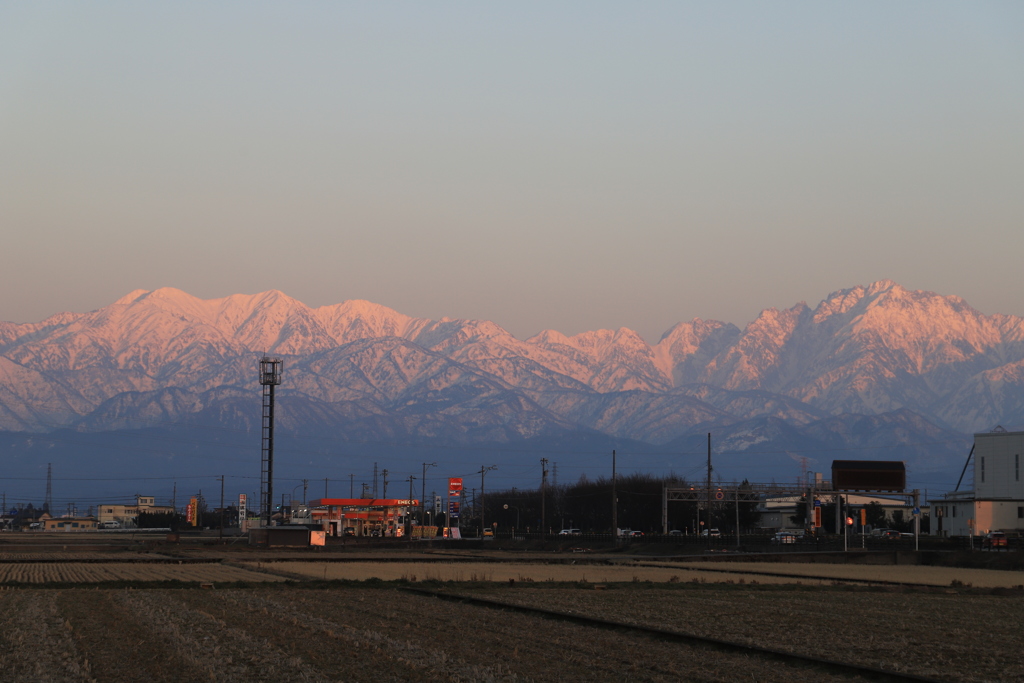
[(270, 377)]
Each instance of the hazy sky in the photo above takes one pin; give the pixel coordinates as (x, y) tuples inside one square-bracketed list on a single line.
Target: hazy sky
[(570, 165)]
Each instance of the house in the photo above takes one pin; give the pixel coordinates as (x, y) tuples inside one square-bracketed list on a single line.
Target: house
[(128, 515), (69, 524), (996, 501)]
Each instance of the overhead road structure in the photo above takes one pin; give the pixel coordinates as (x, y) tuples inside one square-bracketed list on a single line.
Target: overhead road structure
[(725, 493)]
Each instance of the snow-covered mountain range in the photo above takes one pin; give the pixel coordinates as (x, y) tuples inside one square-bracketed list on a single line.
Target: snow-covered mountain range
[(916, 365)]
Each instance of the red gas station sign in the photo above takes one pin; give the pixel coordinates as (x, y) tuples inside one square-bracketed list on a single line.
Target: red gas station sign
[(455, 487)]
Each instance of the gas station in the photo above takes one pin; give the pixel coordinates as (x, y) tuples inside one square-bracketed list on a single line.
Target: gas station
[(383, 517)]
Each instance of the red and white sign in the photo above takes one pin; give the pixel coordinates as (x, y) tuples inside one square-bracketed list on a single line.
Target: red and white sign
[(455, 487)]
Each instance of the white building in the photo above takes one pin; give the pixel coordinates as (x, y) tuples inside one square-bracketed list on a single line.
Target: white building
[(128, 515), (777, 512), (996, 502)]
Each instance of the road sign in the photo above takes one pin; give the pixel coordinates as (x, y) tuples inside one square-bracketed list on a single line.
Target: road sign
[(719, 495), (917, 511), (817, 503)]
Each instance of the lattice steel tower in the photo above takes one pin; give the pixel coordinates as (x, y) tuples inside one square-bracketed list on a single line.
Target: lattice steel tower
[(270, 377)]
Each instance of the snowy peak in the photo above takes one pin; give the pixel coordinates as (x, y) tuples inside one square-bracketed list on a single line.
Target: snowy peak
[(686, 349), (357, 319)]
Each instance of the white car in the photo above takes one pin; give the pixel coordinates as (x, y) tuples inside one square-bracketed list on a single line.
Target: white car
[(569, 532)]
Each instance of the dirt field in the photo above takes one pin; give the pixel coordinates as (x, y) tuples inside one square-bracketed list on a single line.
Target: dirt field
[(96, 572), (950, 636), (292, 625), (934, 576), (501, 573), (382, 634)]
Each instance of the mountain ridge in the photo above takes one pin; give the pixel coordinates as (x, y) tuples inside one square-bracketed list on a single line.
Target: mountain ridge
[(862, 351)]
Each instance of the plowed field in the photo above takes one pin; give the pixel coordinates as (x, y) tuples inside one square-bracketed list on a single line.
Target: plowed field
[(97, 572), (502, 572), (381, 634), (933, 576)]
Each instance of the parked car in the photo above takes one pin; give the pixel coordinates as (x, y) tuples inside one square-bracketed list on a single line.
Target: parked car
[(569, 532), (636, 534), (994, 539), (891, 534), (349, 531), (713, 533), (110, 525), (675, 532), (488, 533), (784, 537)]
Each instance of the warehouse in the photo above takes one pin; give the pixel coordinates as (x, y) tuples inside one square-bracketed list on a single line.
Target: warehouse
[(996, 500)]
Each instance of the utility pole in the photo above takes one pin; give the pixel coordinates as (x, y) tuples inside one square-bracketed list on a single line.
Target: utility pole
[(374, 480), (543, 492), (351, 485), (220, 532), (49, 489), (385, 494), (483, 473), (174, 498), (305, 485), (325, 487), (615, 503), (708, 523), (423, 490), (408, 512)]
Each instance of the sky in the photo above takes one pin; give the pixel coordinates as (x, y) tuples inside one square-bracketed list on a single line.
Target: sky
[(569, 166)]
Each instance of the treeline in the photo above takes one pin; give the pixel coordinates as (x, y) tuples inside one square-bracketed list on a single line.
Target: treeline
[(587, 505)]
